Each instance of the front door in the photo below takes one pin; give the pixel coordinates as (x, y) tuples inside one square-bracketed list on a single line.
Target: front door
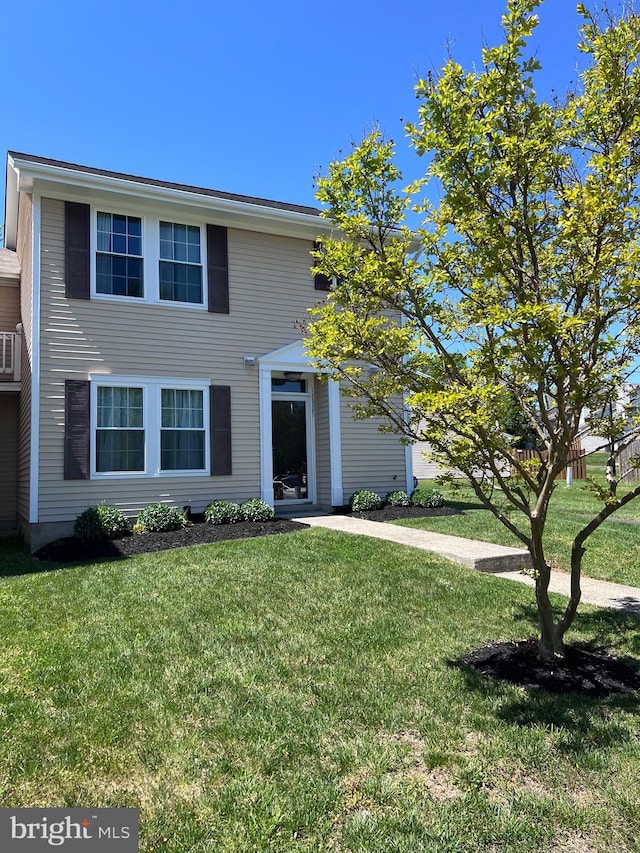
[(290, 412)]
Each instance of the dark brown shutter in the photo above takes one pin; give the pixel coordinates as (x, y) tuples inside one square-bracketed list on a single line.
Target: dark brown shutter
[(220, 429), (217, 269), (76, 429), (320, 281), (76, 250)]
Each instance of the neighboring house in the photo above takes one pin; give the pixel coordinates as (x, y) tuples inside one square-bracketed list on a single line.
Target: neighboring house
[(152, 352)]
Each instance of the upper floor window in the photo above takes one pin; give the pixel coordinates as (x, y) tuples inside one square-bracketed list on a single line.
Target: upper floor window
[(180, 263), (119, 255)]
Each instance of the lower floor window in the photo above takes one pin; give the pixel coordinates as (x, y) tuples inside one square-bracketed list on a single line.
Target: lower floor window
[(149, 428), (120, 429), (182, 434)]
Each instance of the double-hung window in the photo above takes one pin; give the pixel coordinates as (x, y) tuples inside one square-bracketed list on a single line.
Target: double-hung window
[(150, 427), (182, 430), (119, 255), (119, 429), (180, 269)]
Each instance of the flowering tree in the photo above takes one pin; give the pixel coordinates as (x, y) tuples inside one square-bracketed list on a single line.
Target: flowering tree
[(521, 287)]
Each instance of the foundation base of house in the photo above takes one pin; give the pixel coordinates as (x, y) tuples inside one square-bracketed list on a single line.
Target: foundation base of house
[(37, 535)]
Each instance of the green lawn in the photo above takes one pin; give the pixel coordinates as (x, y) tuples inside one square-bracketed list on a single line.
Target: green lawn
[(613, 551), (300, 693)]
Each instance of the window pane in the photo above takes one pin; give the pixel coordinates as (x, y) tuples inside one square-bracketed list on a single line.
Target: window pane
[(182, 408), (180, 282), (119, 450), (119, 224), (120, 407), (180, 242), (134, 246), (135, 226), (119, 275), (181, 450)]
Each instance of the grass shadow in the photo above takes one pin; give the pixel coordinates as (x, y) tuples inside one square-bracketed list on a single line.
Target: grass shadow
[(16, 560), (581, 724)]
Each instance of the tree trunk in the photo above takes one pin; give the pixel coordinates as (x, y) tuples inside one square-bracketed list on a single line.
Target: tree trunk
[(551, 643)]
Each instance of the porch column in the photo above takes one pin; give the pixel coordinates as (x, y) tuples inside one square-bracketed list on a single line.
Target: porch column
[(335, 443), (266, 437)]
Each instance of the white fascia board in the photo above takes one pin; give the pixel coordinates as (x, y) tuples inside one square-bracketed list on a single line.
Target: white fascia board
[(11, 197), (254, 217)]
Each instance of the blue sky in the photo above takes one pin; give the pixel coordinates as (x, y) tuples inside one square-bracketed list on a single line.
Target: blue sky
[(248, 97)]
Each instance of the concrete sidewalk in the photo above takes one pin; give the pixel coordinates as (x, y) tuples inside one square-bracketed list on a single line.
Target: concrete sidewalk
[(483, 556)]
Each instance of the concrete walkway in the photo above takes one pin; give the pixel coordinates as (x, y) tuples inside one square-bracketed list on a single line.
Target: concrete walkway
[(483, 556)]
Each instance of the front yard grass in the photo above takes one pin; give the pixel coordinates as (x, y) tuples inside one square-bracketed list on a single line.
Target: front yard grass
[(301, 693), (613, 551)]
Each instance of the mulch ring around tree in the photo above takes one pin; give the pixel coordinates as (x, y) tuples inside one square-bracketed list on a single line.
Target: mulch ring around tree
[(70, 549), (586, 671)]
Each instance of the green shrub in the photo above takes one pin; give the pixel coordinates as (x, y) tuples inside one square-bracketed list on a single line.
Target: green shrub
[(101, 522), (398, 499), (161, 518), (257, 510), (364, 500), (427, 497), (223, 512)]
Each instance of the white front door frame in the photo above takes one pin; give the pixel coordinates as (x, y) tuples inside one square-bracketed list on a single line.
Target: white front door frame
[(307, 397), (293, 358)]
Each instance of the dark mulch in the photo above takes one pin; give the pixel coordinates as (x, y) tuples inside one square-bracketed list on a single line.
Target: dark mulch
[(393, 513), (199, 533), (71, 549), (586, 671)]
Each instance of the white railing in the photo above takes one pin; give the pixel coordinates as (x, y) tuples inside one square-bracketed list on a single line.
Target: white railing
[(10, 355)]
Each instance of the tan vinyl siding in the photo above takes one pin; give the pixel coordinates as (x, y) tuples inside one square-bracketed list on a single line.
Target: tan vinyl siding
[(9, 305), (323, 457), (24, 251), (370, 459), (270, 288), (9, 313), (8, 460)]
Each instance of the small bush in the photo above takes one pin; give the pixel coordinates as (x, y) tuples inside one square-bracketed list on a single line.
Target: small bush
[(223, 512), (101, 522), (398, 499), (161, 518), (257, 510), (427, 497), (364, 500)]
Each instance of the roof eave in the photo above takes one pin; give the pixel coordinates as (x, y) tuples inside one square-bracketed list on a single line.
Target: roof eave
[(28, 173)]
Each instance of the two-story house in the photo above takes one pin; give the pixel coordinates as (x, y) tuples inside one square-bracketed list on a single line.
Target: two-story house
[(151, 351)]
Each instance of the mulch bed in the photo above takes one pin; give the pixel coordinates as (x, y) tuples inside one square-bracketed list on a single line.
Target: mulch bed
[(70, 549), (586, 671), (393, 513)]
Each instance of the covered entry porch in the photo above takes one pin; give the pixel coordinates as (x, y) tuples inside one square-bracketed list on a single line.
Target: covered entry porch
[(300, 432)]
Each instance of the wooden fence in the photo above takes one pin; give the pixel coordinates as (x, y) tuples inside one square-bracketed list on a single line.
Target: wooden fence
[(627, 472), (577, 460)]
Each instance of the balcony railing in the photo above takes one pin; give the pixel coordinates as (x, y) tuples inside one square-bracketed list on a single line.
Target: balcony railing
[(9, 356)]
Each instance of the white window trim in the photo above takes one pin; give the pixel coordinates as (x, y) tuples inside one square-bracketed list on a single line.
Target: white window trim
[(150, 257), (152, 420)]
